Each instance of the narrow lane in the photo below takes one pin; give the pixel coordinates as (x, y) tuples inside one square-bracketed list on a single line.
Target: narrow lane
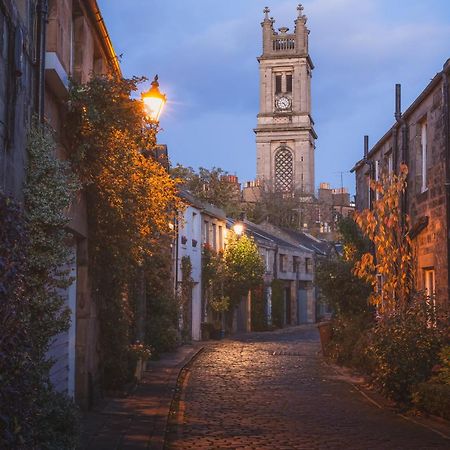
[(273, 391)]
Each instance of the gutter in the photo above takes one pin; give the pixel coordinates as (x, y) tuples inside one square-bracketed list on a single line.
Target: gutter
[(102, 32)]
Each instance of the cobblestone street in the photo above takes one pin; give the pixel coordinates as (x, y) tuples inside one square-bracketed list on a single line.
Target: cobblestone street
[(273, 391)]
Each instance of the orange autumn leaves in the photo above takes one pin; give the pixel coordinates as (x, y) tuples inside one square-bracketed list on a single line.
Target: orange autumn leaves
[(389, 268)]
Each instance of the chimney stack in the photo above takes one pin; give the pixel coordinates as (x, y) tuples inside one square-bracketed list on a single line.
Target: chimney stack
[(398, 101)]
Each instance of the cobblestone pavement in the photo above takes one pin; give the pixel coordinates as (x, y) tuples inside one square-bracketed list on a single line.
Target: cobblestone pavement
[(273, 391)]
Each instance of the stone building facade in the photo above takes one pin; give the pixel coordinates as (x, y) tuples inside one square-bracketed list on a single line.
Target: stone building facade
[(20, 60), (285, 136), (201, 224), (77, 46), (42, 44), (419, 138)]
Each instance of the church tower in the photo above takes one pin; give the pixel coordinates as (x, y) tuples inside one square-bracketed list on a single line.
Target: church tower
[(285, 136)]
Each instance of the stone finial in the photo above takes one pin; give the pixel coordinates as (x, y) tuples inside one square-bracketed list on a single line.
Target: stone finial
[(300, 9), (266, 13)]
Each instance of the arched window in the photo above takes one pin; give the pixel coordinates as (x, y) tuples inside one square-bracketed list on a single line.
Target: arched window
[(284, 171)]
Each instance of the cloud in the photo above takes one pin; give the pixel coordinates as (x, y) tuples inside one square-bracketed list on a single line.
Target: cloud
[(205, 53)]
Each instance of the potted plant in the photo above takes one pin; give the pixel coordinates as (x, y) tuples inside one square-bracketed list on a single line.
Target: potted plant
[(141, 353)]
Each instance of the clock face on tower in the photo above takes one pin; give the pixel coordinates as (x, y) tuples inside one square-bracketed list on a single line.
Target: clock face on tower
[(283, 103)]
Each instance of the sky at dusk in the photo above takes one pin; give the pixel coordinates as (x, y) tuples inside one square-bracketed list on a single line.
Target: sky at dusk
[(205, 54)]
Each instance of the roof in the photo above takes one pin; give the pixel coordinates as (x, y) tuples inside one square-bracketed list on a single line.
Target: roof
[(203, 206), (264, 236), (319, 246)]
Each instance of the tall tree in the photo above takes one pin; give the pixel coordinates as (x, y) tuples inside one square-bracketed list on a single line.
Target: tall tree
[(211, 185)]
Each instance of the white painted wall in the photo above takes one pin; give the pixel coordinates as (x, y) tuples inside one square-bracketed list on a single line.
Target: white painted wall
[(62, 349), (190, 230)]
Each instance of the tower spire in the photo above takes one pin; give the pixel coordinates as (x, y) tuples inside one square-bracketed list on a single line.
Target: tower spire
[(266, 12), (300, 9)]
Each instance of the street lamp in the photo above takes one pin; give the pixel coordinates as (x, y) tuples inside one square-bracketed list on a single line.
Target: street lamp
[(154, 101), (238, 228)]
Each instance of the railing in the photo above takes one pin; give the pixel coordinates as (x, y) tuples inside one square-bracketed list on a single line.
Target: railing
[(280, 44)]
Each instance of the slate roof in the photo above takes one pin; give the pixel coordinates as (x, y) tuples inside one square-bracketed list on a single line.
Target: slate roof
[(259, 234), (319, 246), (206, 207)]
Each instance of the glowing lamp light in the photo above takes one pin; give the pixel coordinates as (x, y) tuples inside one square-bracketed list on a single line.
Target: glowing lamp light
[(238, 228), (154, 101)]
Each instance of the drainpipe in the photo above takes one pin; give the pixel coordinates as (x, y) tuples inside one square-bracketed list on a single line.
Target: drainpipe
[(404, 148), (447, 167), (369, 163), (42, 11), (398, 116)]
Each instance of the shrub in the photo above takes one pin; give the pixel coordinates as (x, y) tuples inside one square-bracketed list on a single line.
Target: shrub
[(58, 425), (342, 290), (433, 398), (349, 341), (442, 370), (33, 272), (32, 414), (259, 315), (162, 306), (161, 330), (404, 347)]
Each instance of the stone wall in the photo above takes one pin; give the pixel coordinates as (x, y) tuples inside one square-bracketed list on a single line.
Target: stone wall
[(426, 206), (17, 77)]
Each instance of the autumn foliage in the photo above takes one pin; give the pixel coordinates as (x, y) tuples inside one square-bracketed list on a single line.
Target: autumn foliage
[(389, 269), (131, 203)]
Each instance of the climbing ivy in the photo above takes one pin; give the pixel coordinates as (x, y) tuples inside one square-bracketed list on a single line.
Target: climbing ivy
[(33, 258), (131, 202)]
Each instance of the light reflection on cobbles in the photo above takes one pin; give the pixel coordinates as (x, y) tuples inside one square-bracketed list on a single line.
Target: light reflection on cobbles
[(272, 391)]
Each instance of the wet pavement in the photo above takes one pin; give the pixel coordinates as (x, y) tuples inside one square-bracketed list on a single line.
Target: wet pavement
[(274, 391)]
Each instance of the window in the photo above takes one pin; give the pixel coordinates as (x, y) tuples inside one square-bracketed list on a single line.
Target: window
[(429, 282), (296, 264), (430, 292), (369, 193), (283, 170), (423, 148), (220, 237), (282, 263), (214, 236), (390, 164), (308, 267), (194, 225), (267, 260), (288, 83), (206, 232), (278, 89), (377, 177)]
